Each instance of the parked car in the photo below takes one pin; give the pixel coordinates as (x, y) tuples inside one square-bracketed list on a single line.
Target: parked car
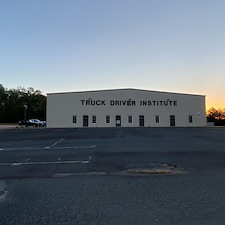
[(25, 123), (37, 123), (32, 123)]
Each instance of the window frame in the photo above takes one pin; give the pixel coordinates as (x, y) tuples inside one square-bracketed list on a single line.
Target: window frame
[(190, 119), (94, 119), (107, 119), (157, 119), (74, 119), (130, 119)]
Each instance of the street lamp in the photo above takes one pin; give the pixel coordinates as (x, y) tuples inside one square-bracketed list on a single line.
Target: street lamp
[(25, 111)]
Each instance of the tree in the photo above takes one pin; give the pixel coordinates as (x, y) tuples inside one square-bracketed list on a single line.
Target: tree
[(217, 116), (13, 102)]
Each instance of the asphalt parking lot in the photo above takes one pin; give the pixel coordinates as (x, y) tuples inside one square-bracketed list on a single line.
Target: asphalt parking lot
[(163, 176)]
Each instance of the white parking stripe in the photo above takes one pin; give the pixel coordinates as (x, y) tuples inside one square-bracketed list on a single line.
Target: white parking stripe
[(45, 163), (40, 148), (91, 146), (54, 143)]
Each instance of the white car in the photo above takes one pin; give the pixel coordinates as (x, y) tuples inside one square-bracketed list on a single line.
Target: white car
[(37, 123)]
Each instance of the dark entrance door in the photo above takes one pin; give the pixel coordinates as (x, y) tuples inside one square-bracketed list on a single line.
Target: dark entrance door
[(172, 121), (85, 121), (141, 121), (118, 121)]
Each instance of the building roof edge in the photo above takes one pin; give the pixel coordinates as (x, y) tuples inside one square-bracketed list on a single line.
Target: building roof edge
[(124, 89)]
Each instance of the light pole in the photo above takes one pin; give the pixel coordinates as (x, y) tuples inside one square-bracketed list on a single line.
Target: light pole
[(25, 111)]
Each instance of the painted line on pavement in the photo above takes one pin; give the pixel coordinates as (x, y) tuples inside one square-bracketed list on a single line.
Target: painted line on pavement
[(41, 148), (69, 147), (45, 163), (54, 143)]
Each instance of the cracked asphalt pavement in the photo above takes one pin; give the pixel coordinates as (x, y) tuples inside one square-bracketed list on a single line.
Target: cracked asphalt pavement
[(79, 176)]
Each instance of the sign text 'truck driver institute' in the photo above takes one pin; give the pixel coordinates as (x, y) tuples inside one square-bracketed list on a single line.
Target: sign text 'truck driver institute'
[(129, 102)]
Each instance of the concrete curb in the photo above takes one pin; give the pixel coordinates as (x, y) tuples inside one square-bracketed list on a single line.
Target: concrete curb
[(8, 127)]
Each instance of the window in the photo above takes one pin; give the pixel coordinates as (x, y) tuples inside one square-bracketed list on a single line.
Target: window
[(74, 119), (190, 118), (130, 119), (107, 119), (94, 119), (157, 119)]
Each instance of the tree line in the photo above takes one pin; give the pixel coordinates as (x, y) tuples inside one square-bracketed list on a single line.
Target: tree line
[(18, 104), (217, 116)]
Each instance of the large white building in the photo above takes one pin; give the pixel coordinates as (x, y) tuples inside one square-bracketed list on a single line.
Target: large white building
[(125, 108)]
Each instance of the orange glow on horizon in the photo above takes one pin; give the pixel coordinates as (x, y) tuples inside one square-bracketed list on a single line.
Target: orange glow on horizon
[(215, 100), (215, 105)]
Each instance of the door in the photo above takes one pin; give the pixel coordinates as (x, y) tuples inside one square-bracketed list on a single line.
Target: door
[(172, 121), (141, 121), (118, 121), (85, 121)]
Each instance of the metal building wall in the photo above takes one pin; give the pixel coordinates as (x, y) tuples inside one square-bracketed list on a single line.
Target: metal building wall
[(61, 107)]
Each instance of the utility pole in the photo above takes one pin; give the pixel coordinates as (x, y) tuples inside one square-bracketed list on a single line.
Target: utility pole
[(25, 111)]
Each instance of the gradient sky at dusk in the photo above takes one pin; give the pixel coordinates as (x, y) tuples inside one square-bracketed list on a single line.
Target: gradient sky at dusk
[(78, 45)]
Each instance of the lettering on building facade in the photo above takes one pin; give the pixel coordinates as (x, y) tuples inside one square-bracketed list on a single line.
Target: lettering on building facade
[(129, 102)]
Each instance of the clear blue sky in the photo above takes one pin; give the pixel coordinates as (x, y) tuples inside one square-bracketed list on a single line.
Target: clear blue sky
[(74, 45)]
